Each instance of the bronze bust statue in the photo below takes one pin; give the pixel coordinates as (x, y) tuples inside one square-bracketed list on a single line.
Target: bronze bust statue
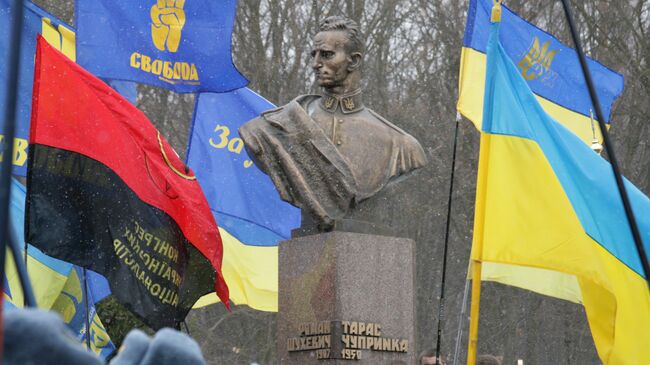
[(326, 153)]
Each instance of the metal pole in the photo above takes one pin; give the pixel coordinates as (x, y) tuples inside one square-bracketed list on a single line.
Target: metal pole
[(459, 333), (13, 60), (26, 286), (187, 328), (26, 257), (608, 145), (441, 304), (87, 308)]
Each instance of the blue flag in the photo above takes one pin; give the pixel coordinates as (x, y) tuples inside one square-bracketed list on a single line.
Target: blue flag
[(33, 24), (57, 285), (59, 35), (179, 45), (248, 209)]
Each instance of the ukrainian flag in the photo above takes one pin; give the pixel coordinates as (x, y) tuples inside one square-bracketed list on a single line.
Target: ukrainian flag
[(550, 68), (548, 204)]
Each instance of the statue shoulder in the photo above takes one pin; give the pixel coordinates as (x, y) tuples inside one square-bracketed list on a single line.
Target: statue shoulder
[(301, 101), (408, 144), (386, 122), (288, 118)]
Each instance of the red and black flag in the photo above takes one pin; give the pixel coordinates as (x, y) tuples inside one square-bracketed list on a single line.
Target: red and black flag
[(107, 192)]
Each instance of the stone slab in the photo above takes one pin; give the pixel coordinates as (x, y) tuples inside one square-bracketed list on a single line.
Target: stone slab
[(339, 284), (308, 228)]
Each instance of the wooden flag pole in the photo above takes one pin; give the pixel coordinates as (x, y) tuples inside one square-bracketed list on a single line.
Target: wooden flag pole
[(477, 247), (474, 313), (479, 221)]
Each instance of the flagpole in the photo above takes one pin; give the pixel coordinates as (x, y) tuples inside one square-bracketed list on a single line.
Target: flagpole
[(474, 312), (477, 246), (25, 256), (608, 145), (459, 332), (441, 304), (87, 307), (479, 226), (7, 148), (28, 294), (10, 122)]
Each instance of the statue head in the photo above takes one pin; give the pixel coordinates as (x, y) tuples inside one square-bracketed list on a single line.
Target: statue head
[(337, 55)]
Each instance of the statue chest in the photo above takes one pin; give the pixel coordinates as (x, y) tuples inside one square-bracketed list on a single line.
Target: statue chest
[(365, 142)]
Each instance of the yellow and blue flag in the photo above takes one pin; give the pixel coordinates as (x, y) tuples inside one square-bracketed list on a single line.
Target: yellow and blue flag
[(251, 216), (58, 34), (550, 68), (548, 204), (57, 285), (184, 46)]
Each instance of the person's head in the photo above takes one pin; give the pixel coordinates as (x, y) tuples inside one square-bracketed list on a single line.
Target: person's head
[(428, 357), (55, 344), (337, 54), (167, 347), (488, 360)]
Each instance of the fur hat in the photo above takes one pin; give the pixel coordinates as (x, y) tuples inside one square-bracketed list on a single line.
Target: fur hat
[(167, 347), (35, 337)]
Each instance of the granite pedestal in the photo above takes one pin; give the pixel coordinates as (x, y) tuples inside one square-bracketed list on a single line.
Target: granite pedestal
[(346, 298)]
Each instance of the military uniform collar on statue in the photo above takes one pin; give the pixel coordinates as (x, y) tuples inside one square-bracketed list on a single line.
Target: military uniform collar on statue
[(350, 103)]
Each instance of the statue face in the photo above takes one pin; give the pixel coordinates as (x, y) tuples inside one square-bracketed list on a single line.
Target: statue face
[(330, 58)]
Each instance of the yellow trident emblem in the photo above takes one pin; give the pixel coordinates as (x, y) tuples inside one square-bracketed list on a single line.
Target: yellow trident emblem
[(349, 103), (167, 22), (538, 58)]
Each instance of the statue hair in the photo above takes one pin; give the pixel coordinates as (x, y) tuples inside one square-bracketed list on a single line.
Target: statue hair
[(355, 38)]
